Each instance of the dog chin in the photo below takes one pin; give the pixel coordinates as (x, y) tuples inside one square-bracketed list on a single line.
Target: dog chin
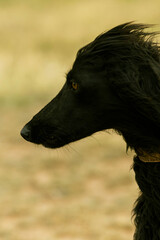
[(54, 144)]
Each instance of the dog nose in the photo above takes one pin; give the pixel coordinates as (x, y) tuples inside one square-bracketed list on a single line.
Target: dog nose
[(26, 133)]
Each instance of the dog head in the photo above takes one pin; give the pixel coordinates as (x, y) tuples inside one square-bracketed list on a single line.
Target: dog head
[(114, 83)]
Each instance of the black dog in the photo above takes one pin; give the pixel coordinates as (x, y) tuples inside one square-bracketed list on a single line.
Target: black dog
[(114, 83)]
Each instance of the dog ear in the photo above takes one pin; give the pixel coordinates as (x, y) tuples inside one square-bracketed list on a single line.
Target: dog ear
[(156, 69), (133, 94)]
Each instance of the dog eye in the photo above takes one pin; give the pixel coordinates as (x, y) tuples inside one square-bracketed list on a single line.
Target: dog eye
[(74, 85)]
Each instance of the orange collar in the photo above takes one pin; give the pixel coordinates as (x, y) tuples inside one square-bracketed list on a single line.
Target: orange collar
[(149, 157)]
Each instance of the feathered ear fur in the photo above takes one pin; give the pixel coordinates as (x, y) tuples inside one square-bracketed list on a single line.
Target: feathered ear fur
[(119, 36), (136, 75), (143, 95)]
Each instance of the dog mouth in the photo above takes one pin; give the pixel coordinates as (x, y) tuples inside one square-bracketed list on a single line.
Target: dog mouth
[(54, 141), (49, 138), (52, 136), (56, 138)]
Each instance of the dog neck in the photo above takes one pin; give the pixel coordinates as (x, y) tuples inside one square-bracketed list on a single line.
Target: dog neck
[(147, 207), (148, 157)]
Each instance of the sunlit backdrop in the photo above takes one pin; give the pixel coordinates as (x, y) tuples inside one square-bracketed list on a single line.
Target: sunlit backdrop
[(86, 190)]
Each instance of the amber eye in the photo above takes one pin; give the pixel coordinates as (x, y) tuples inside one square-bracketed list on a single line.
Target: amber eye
[(74, 85)]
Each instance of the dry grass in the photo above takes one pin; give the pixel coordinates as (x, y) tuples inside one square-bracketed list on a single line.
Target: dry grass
[(84, 191)]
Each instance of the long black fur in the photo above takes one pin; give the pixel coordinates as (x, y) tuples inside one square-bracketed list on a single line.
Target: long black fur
[(117, 79), (147, 209)]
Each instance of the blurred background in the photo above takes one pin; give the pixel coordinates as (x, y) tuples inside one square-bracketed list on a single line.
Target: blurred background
[(84, 191)]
